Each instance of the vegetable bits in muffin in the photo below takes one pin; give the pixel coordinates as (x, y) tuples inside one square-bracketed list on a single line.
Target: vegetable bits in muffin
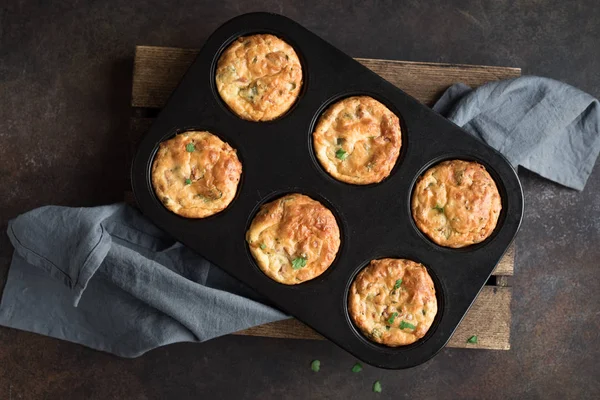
[(259, 77), (392, 301), (195, 174), (293, 239), (456, 203), (357, 140)]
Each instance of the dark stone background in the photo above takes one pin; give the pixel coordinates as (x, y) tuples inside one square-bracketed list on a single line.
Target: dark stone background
[(65, 76)]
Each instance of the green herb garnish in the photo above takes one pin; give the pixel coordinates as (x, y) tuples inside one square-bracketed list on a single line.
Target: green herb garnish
[(341, 154), (404, 325), (315, 365), (438, 208), (263, 246), (357, 367), (188, 181), (397, 284), (298, 262), (190, 147), (472, 339), (377, 387), (392, 318), (424, 312)]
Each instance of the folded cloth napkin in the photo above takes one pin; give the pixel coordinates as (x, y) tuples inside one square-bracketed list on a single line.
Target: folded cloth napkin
[(109, 279), (546, 126)]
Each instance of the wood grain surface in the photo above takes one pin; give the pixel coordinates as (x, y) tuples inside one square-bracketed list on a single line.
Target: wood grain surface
[(158, 70), (492, 328)]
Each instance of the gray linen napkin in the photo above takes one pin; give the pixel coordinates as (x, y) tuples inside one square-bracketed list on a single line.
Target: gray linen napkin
[(546, 126), (107, 278)]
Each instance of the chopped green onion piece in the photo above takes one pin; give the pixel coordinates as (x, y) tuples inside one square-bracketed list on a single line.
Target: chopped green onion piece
[(339, 140), (472, 339), (377, 387), (188, 181), (398, 283), (424, 312), (387, 327), (263, 246), (404, 325), (357, 367), (299, 262), (341, 154), (315, 365), (190, 147), (392, 318), (438, 208)]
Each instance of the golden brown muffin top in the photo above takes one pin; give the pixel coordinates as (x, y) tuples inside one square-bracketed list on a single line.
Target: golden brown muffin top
[(259, 77), (392, 301), (195, 174), (456, 203), (293, 239), (357, 140)]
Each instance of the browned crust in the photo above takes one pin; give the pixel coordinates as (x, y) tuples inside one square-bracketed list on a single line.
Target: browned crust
[(198, 183), (456, 203), (259, 77), (366, 133), (384, 310), (293, 227)]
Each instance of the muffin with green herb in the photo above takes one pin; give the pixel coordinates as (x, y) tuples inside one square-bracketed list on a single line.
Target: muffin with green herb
[(195, 174), (392, 301), (293, 239), (456, 203), (259, 77), (357, 140)]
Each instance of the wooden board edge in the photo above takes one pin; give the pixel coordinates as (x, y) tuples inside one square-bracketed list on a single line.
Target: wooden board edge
[(489, 319), (172, 63), (512, 70), (140, 49)]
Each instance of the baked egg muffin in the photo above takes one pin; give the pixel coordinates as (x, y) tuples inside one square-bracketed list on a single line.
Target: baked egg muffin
[(195, 174), (357, 140), (259, 77), (392, 301), (293, 239), (456, 203)]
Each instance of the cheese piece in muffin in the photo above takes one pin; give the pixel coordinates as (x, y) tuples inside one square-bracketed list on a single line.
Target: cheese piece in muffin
[(293, 239), (259, 77), (357, 140), (195, 174), (456, 203), (392, 301)]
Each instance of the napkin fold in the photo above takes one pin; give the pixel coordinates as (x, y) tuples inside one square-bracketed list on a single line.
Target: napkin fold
[(541, 124), (107, 278)]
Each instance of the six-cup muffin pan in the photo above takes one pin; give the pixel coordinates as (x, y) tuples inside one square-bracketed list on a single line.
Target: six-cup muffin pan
[(375, 220)]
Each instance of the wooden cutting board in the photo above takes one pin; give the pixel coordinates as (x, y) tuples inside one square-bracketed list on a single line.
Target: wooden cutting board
[(158, 70)]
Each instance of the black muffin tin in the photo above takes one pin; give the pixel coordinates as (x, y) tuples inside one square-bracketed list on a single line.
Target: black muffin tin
[(375, 220)]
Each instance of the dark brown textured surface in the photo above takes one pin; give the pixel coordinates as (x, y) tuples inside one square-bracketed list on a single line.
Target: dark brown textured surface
[(65, 74)]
